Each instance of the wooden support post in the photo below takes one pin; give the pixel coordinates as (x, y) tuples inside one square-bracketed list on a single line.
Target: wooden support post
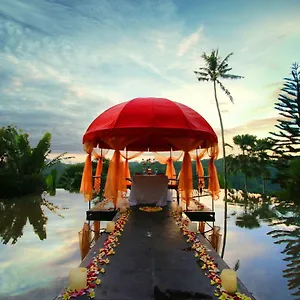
[(215, 238), (84, 240), (97, 230), (202, 227), (177, 194)]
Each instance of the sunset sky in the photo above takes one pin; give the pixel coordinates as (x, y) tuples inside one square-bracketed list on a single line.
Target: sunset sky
[(63, 62)]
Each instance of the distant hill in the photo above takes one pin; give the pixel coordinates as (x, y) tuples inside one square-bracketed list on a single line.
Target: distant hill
[(255, 185), (236, 182)]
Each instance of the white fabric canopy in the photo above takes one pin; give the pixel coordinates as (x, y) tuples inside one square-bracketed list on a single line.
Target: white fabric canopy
[(150, 189)]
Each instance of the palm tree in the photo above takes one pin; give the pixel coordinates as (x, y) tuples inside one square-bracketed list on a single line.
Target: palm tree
[(247, 161), (214, 70), (262, 148)]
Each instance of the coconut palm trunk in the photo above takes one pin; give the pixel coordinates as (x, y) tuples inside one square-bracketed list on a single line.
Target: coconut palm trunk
[(216, 69), (224, 169)]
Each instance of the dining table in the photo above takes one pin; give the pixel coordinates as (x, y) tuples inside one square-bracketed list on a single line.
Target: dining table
[(150, 189)]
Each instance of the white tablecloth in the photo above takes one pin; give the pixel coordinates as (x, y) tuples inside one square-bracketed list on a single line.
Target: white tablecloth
[(149, 189)]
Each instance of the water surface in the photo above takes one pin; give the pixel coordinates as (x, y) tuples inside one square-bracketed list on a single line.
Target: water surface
[(32, 268)]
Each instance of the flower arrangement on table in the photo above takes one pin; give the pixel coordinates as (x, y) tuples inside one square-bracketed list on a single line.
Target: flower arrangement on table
[(206, 261), (150, 208), (147, 163), (96, 266)]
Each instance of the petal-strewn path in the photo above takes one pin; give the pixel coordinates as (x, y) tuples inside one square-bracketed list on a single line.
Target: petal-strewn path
[(151, 255)]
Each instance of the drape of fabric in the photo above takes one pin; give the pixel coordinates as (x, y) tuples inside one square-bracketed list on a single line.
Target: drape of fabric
[(86, 187), (126, 164), (170, 170), (185, 185), (199, 168), (115, 182), (213, 181), (99, 157)]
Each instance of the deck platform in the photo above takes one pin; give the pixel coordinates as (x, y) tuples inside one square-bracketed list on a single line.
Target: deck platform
[(151, 257)]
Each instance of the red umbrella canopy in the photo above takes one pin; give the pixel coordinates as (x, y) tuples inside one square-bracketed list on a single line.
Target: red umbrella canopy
[(154, 124)]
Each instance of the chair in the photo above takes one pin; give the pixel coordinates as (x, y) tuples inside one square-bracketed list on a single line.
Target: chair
[(128, 185), (173, 185)]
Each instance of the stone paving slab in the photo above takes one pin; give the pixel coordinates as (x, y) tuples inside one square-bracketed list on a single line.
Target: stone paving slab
[(151, 256)]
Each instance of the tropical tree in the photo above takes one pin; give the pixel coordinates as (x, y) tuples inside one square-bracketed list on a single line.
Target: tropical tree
[(287, 137), (246, 143), (216, 69), (262, 149), (254, 160), (287, 140), (243, 162), (22, 167), (287, 161), (71, 177)]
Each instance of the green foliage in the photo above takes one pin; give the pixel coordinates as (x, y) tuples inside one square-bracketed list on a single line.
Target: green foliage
[(234, 180), (287, 140), (291, 192), (275, 212), (253, 161), (291, 238), (21, 167), (16, 212), (51, 182), (71, 177)]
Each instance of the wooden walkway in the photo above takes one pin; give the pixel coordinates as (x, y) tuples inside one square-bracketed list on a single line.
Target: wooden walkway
[(150, 257)]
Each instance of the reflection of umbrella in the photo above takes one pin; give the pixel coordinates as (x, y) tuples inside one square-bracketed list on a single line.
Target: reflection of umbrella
[(153, 124)]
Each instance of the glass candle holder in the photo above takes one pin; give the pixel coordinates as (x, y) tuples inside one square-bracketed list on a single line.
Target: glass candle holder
[(77, 279), (229, 281), (110, 226)]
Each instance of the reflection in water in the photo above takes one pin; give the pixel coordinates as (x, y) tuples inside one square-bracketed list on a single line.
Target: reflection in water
[(290, 236), (257, 209), (15, 213)]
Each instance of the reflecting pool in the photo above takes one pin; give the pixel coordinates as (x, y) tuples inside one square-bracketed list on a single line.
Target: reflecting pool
[(40, 245)]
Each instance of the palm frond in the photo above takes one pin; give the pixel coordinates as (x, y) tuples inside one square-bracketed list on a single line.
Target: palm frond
[(228, 145), (225, 91), (203, 79), (204, 69), (224, 61), (205, 57), (58, 158), (224, 70), (231, 76), (199, 73)]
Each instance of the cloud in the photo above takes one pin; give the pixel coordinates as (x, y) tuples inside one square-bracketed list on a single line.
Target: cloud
[(64, 63), (190, 41)]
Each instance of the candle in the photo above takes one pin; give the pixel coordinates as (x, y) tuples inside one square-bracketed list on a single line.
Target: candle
[(229, 281), (110, 226), (78, 279), (192, 227)]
